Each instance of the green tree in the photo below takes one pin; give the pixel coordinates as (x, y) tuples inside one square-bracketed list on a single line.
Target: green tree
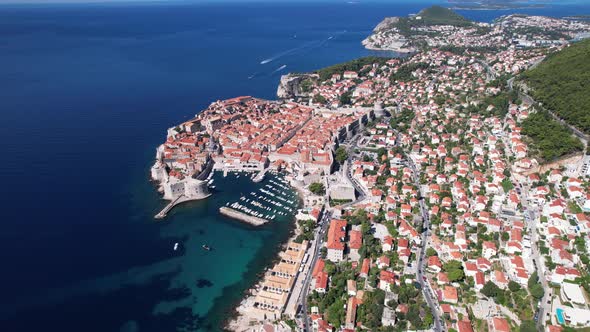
[(371, 310), (329, 268), (341, 155), (454, 269), (317, 188), (336, 313), (533, 280), (490, 289), (345, 98), (431, 252), (319, 99), (513, 286), (537, 291), (527, 326)]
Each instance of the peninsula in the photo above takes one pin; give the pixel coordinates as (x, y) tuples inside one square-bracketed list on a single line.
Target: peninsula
[(246, 134), (443, 28)]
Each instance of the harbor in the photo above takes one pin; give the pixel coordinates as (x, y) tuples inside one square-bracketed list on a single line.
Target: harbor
[(273, 199)]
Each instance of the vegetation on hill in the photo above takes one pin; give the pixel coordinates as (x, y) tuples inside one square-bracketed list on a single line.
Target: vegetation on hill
[(434, 15), (404, 73), (562, 84), (550, 138), (437, 15), (354, 65)]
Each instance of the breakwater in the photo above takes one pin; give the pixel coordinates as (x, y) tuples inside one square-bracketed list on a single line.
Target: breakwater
[(252, 220)]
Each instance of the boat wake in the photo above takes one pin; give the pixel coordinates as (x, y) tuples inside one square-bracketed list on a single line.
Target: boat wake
[(303, 47), (281, 54), (279, 69)]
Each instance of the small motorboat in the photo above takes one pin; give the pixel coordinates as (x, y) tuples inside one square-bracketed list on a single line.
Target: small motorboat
[(206, 247), (176, 246)]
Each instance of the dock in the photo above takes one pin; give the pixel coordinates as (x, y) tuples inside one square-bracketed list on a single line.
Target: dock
[(260, 176), (235, 214), (180, 199)]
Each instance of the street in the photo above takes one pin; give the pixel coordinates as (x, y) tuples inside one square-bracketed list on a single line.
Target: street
[(421, 253)]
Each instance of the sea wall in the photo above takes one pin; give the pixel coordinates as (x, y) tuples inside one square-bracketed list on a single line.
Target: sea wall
[(235, 214)]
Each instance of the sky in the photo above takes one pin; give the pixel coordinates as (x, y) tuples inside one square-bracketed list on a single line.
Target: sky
[(187, 1)]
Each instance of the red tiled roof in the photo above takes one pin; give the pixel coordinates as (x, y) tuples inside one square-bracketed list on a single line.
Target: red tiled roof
[(356, 239), (336, 233)]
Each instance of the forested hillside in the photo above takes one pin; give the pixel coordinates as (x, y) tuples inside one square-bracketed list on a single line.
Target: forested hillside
[(562, 83)]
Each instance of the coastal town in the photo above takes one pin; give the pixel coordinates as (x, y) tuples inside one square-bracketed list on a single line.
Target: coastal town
[(425, 201)]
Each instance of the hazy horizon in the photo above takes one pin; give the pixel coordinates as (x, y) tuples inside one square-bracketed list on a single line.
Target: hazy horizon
[(16, 2)]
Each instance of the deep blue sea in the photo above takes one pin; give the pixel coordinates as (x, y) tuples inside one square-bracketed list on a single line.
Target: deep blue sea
[(86, 95)]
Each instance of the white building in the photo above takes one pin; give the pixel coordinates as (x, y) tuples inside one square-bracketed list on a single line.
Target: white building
[(573, 293)]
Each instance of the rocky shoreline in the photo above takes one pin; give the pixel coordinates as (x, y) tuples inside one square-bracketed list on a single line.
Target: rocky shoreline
[(382, 40)]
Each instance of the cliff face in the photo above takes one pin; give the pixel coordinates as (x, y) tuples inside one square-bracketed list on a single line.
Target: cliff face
[(290, 86), (386, 23)]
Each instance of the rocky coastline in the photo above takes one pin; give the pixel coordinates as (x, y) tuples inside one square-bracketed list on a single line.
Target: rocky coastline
[(382, 39), (290, 86)]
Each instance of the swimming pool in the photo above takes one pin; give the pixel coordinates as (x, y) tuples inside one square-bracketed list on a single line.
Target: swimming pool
[(559, 313)]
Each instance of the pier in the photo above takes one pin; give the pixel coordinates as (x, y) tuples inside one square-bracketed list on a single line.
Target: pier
[(167, 208), (180, 199), (260, 176), (235, 214)]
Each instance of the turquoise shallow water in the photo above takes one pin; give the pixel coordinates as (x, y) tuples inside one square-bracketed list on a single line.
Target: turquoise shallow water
[(176, 292), (206, 273)]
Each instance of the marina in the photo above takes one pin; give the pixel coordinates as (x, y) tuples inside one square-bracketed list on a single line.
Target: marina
[(273, 199)]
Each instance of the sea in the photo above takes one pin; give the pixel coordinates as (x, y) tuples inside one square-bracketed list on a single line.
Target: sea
[(87, 92)]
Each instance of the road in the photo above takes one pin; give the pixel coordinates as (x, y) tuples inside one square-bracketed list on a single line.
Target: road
[(320, 231), (531, 218), (348, 172), (421, 253)]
